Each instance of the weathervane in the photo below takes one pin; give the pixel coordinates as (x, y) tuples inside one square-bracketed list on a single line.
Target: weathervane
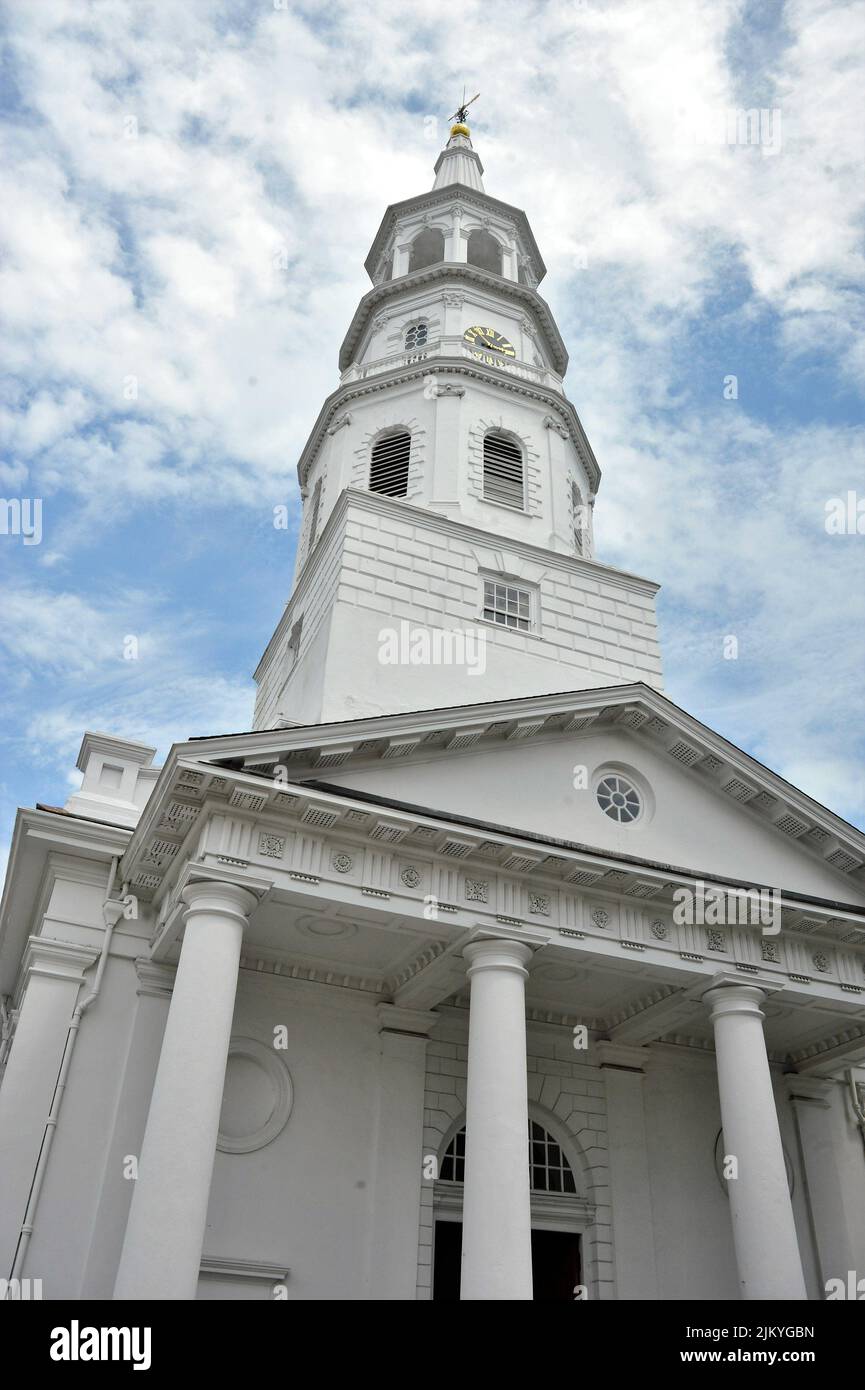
[(461, 112)]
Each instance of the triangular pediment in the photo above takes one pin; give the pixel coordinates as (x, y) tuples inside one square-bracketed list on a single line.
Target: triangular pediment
[(532, 765)]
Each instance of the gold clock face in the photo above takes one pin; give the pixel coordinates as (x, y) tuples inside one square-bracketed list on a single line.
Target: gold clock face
[(488, 345)]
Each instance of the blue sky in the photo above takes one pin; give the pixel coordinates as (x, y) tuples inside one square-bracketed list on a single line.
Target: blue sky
[(191, 188)]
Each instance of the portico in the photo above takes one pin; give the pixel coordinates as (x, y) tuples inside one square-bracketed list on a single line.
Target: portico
[(305, 896)]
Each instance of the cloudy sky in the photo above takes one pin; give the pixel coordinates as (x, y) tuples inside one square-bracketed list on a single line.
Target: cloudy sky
[(189, 189)]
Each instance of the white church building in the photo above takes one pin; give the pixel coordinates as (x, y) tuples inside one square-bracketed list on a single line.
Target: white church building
[(476, 968)]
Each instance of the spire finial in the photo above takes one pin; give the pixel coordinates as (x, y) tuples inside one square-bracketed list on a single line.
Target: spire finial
[(460, 116)]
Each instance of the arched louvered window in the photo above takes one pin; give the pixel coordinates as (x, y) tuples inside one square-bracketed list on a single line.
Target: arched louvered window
[(484, 251), (579, 517), (416, 336), (503, 470), (388, 470), (428, 248), (549, 1169)]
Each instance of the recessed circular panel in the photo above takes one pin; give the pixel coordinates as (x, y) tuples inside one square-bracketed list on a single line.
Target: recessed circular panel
[(556, 974), (256, 1098), (325, 926)]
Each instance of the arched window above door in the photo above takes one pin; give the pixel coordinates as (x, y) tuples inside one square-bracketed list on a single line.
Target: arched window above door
[(549, 1169)]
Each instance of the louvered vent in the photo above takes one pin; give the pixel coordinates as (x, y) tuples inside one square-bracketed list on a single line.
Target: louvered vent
[(456, 849), (632, 718), (247, 801), (325, 819), (392, 834), (739, 790), (842, 860), (503, 471), (684, 752), (521, 863), (388, 470), (584, 877), (791, 825)]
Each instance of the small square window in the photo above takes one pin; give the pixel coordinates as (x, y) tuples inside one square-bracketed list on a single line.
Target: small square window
[(507, 605)]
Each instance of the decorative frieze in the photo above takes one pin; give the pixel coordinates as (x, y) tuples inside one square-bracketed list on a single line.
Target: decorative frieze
[(477, 890), (271, 846)]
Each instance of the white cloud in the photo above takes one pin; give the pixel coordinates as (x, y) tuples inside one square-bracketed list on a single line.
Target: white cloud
[(189, 198)]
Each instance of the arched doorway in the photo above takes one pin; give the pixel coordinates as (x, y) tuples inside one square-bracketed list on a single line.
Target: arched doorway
[(560, 1214)]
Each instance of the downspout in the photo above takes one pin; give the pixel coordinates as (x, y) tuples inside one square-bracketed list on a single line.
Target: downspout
[(112, 910)]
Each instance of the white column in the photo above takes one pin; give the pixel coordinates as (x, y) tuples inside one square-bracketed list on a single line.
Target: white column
[(497, 1245), (764, 1231), (630, 1188), (165, 1231)]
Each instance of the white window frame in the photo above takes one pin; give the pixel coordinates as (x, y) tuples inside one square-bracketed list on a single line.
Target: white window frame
[(416, 323), (509, 582)]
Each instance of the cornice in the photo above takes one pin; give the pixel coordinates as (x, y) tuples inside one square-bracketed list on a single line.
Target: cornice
[(38, 834), (154, 978), (524, 295), (448, 193), (621, 1057), (244, 1269), (235, 773), (811, 1090), (58, 960), (450, 366)]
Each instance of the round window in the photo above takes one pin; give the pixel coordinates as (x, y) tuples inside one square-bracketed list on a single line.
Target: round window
[(619, 799)]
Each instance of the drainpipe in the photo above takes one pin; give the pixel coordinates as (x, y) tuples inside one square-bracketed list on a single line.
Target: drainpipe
[(112, 911)]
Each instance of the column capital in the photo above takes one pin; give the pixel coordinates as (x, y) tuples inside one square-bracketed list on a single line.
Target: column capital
[(60, 960), (215, 895), (497, 954), (729, 993)]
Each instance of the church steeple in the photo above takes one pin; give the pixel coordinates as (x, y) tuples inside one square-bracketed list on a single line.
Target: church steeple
[(448, 483), (459, 162)]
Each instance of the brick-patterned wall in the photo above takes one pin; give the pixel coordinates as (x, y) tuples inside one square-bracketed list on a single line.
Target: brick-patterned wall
[(413, 569), (571, 1090), (313, 597), (384, 560)]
